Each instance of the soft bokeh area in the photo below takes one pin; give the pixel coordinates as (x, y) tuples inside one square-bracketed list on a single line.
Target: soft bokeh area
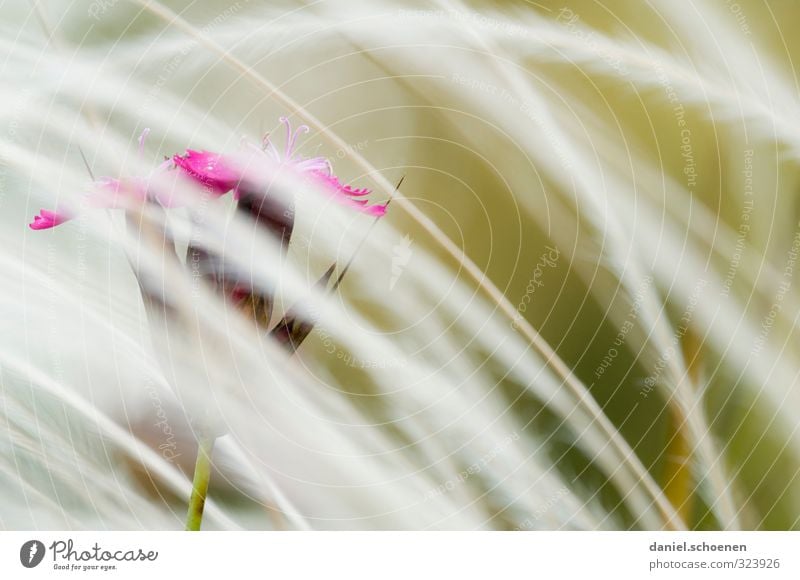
[(578, 313)]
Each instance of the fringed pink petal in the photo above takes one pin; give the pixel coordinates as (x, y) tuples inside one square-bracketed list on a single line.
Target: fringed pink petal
[(332, 182), (347, 194)]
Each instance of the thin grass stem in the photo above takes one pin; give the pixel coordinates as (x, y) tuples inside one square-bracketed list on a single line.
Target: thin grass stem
[(202, 475)]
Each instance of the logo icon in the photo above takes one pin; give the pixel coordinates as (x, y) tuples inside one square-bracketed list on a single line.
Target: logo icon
[(31, 553)]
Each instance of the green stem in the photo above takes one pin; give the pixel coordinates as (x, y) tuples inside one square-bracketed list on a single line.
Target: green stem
[(202, 474)]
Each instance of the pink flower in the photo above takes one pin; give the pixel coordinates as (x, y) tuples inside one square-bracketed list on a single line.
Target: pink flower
[(218, 174), (222, 173)]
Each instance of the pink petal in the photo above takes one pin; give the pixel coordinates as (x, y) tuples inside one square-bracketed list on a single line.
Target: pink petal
[(48, 219), (211, 170), (106, 193), (377, 210)]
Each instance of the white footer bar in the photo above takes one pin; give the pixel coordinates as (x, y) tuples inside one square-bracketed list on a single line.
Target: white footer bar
[(399, 555)]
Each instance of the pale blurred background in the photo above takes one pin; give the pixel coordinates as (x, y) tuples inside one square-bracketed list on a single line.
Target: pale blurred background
[(622, 177)]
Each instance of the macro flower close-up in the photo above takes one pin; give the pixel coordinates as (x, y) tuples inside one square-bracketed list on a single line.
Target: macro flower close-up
[(400, 266)]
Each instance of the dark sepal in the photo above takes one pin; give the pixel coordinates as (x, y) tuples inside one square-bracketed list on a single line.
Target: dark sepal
[(266, 210), (278, 219), (256, 306), (298, 323)]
